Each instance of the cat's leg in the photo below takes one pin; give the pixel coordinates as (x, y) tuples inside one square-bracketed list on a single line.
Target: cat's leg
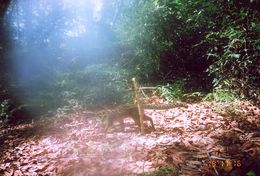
[(137, 122), (109, 123), (149, 119), (145, 119), (122, 124)]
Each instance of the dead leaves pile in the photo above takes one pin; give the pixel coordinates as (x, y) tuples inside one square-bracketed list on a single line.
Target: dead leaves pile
[(200, 140), (207, 143)]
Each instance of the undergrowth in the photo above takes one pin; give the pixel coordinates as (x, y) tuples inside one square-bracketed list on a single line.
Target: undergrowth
[(172, 91), (169, 170), (221, 95)]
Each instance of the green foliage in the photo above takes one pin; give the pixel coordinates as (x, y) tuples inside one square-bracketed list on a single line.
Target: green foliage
[(170, 170), (221, 95), (13, 111), (172, 91), (162, 40), (4, 112), (94, 85), (234, 49), (172, 39), (193, 97), (251, 173), (71, 89), (72, 106), (156, 40)]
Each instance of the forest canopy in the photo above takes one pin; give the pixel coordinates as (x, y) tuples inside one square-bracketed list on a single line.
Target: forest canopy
[(53, 53)]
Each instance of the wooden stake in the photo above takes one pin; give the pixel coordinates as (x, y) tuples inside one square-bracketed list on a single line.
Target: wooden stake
[(140, 110)]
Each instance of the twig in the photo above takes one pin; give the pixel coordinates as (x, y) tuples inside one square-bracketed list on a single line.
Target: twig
[(142, 91), (143, 88), (140, 110), (219, 158), (210, 159)]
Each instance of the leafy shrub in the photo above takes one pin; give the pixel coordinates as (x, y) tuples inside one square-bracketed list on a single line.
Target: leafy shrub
[(4, 113), (170, 170), (13, 112), (94, 85), (72, 105), (221, 95), (234, 49), (193, 97), (172, 91)]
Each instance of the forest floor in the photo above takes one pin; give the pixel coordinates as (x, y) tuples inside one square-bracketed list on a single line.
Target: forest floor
[(201, 139)]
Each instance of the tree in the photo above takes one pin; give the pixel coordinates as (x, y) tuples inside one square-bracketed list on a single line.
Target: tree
[(160, 38)]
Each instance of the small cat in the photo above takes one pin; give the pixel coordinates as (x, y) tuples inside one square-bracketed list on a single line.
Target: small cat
[(126, 111), (131, 110)]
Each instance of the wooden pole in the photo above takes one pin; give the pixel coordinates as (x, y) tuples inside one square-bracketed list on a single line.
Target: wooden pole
[(137, 99)]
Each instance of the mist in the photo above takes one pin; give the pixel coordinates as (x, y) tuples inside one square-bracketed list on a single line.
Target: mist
[(49, 40)]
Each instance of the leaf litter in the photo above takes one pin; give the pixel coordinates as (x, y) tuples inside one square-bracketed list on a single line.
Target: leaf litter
[(199, 140)]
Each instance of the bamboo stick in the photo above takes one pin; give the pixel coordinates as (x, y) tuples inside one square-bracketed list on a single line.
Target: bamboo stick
[(137, 99), (143, 88)]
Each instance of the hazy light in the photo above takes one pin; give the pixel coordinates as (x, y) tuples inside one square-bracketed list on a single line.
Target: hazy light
[(49, 36), (97, 8)]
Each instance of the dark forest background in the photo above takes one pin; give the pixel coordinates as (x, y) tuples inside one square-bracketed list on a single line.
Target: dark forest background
[(60, 54)]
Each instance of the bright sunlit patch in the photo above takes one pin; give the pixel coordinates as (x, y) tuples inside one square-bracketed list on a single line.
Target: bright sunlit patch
[(97, 9), (78, 22), (46, 37), (76, 27), (96, 5)]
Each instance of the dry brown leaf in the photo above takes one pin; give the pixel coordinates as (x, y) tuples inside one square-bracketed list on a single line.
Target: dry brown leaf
[(180, 137)]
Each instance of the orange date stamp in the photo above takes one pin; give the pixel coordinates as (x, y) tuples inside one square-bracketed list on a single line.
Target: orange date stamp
[(226, 164)]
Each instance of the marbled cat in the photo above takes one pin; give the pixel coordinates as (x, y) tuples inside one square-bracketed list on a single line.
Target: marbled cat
[(131, 110)]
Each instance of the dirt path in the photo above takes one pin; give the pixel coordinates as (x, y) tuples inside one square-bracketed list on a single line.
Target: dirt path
[(194, 139)]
